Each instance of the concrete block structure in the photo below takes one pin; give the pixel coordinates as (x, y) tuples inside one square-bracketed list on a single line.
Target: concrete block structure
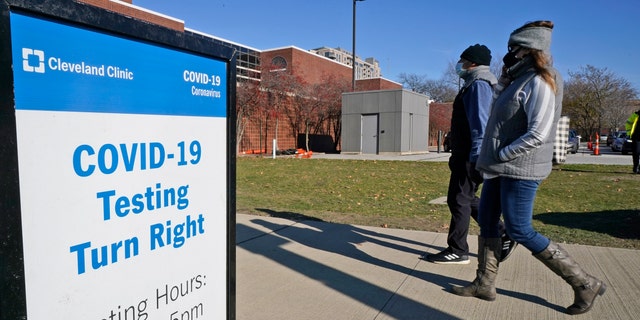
[(385, 122)]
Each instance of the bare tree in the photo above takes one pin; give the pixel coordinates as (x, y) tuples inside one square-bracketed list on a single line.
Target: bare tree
[(446, 88), (306, 108), (438, 90), (414, 82), (327, 118), (596, 98), (496, 67), (334, 109), (279, 86), (451, 78), (248, 103), (316, 108), (303, 111)]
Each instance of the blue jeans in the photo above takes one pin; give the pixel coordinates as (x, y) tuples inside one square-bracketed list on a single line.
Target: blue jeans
[(513, 198)]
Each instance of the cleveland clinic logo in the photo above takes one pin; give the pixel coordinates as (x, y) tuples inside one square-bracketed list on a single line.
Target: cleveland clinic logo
[(33, 60)]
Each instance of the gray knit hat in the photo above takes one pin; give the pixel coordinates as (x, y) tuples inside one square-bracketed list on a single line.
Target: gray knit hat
[(477, 53), (538, 38)]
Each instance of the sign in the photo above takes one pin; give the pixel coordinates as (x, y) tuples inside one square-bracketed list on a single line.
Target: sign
[(122, 154)]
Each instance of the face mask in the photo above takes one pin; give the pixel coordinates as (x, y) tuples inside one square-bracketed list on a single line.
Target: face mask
[(510, 59), (459, 70)]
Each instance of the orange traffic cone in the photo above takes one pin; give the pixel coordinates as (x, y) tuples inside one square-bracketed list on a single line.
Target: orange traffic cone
[(596, 150)]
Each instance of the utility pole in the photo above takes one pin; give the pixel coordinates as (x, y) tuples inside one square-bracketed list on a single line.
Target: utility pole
[(353, 49)]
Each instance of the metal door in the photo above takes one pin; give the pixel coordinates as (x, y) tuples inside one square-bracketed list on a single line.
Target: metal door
[(370, 134)]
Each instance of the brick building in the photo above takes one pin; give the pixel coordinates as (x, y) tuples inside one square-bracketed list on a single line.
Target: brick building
[(126, 8), (308, 65), (313, 68)]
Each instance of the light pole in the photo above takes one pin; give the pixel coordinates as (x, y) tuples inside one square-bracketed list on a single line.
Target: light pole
[(353, 49)]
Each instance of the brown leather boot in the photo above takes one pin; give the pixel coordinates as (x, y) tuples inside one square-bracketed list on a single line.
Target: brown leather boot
[(585, 287), (483, 287)]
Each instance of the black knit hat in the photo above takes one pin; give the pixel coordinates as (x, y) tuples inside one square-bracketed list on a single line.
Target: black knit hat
[(478, 54)]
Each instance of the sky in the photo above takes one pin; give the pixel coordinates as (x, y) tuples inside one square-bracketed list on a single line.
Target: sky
[(423, 37)]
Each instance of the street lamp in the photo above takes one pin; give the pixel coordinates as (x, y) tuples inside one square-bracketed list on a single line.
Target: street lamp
[(353, 51)]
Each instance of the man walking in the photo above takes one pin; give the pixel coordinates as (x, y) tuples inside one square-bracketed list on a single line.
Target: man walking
[(468, 120), (634, 133)]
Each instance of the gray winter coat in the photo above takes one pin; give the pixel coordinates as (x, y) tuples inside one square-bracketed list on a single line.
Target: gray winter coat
[(521, 128)]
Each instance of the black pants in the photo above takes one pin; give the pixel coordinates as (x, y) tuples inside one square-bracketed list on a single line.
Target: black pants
[(635, 155), (463, 202)]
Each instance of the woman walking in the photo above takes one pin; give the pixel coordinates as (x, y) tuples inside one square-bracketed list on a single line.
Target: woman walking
[(516, 155)]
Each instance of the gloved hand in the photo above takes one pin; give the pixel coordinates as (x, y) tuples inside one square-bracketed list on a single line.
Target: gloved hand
[(476, 176)]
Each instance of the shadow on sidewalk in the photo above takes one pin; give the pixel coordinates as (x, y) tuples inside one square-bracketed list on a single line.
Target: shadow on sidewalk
[(365, 292), (344, 240)]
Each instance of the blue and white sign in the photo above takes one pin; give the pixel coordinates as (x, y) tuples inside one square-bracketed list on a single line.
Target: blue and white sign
[(122, 164)]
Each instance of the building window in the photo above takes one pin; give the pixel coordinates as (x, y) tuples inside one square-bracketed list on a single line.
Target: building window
[(279, 62)]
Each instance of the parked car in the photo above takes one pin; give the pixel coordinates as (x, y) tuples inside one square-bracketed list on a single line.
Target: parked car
[(626, 145), (603, 137), (611, 137), (620, 142), (574, 142)]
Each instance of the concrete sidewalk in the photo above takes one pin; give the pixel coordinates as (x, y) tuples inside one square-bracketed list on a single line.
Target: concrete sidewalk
[(583, 156), (307, 270)]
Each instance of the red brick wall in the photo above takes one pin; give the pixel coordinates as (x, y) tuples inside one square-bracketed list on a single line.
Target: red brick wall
[(439, 120), (376, 84), (129, 11), (312, 68), (259, 139)]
